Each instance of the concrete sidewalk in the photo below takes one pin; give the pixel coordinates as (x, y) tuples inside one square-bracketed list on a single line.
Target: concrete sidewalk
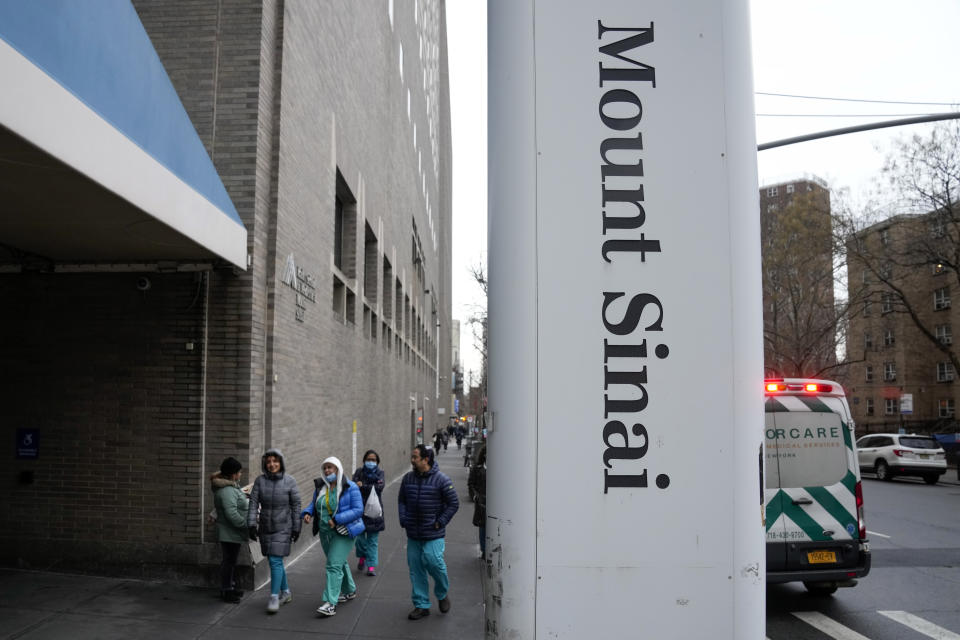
[(36, 605)]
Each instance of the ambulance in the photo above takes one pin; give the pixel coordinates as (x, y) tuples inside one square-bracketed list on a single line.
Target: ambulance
[(812, 493)]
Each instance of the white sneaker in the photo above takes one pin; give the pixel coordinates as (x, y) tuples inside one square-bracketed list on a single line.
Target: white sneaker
[(286, 596), (273, 604), (346, 597), (327, 609)]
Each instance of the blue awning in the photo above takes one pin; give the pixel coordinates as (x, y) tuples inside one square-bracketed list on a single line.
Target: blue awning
[(99, 160)]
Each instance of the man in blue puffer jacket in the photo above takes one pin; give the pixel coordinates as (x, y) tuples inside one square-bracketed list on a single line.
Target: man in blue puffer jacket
[(426, 503)]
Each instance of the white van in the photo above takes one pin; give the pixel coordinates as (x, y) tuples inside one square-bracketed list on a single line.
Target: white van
[(814, 501)]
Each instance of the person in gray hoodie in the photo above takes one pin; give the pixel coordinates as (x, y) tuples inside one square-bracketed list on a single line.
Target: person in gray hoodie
[(232, 506), (275, 503)]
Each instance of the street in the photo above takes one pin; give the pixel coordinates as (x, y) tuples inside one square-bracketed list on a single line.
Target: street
[(912, 590)]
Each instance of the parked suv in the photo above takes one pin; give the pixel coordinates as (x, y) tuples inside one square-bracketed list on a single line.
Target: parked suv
[(899, 454)]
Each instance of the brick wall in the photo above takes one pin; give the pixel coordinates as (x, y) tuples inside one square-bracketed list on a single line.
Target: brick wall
[(102, 370), (283, 95)]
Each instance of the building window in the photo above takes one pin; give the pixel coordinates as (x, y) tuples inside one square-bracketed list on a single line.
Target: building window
[(886, 302), (371, 269), (868, 373), (886, 271), (771, 192), (889, 371), (772, 207), (937, 227), (387, 291), (345, 229), (941, 298), (885, 236), (344, 252), (944, 372), (866, 276), (790, 188), (888, 339), (417, 257), (867, 341), (338, 234), (867, 308), (891, 406), (869, 402), (947, 408), (944, 334)]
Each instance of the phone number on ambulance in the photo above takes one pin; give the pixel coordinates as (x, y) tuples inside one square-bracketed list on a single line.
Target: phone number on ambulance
[(786, 535)]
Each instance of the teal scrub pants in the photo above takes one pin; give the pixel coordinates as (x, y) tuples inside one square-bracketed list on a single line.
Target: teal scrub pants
[(367, 546), (425, 557), (278, 575), (337, 548)]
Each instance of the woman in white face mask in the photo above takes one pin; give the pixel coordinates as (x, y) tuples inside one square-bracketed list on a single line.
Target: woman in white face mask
[(336, 512), (370, 478)]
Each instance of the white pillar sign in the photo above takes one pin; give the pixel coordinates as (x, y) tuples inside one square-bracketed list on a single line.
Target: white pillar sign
[(625, 322)]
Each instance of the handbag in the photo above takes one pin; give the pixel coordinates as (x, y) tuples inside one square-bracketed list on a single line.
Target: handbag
[(372, 509)]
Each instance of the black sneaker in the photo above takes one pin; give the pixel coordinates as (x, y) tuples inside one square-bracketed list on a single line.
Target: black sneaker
[(229, 596), (445, 605), (418, 613)]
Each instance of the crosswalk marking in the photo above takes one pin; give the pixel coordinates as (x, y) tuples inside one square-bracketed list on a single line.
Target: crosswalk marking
[(919, 624), (828, 626)]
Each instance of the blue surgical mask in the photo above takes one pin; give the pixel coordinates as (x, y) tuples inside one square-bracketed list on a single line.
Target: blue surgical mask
[(331, 478), (370, 464)]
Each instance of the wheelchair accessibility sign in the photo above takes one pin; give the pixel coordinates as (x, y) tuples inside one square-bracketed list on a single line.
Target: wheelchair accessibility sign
[(28, 444)]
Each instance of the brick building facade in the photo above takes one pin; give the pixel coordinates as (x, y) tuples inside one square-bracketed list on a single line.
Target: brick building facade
[(329, 126), (799, 317), (890, 356)]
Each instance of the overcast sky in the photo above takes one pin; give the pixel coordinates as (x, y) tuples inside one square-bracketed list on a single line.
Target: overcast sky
[(877, 50)]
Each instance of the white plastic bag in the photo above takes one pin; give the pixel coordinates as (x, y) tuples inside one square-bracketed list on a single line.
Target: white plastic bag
[(372, 508)]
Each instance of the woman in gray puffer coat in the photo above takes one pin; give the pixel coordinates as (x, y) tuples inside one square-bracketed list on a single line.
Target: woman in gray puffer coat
[(275, 501)]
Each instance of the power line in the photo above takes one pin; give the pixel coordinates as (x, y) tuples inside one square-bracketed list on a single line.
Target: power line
[(839, 115), (790, 95)]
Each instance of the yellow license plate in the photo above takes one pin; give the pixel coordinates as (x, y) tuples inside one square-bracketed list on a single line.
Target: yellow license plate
[(819, 557)]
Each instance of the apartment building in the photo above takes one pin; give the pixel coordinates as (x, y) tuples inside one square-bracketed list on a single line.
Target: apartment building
[(799, 315), (901, 332)]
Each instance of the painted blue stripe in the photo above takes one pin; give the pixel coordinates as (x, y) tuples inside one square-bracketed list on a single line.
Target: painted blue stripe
[(100, 52)]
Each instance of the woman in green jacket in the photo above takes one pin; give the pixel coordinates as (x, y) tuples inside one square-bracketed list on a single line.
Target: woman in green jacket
[(232, 505)]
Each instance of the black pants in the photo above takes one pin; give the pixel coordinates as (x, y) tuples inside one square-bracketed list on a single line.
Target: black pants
[(231, 551)]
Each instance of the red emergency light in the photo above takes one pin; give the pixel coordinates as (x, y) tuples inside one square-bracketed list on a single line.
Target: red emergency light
[(775, 386)]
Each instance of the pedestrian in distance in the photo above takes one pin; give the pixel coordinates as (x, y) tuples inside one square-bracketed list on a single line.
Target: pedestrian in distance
[(426, 504), (459, 440), (446, 440), (477, 485), (437, 440), (276, 499), (370, 479), (232, 506), (336, 513)]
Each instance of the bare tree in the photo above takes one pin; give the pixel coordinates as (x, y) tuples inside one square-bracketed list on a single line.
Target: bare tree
[(803, 321), (896, 254), (478, 316), (478, 327)]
